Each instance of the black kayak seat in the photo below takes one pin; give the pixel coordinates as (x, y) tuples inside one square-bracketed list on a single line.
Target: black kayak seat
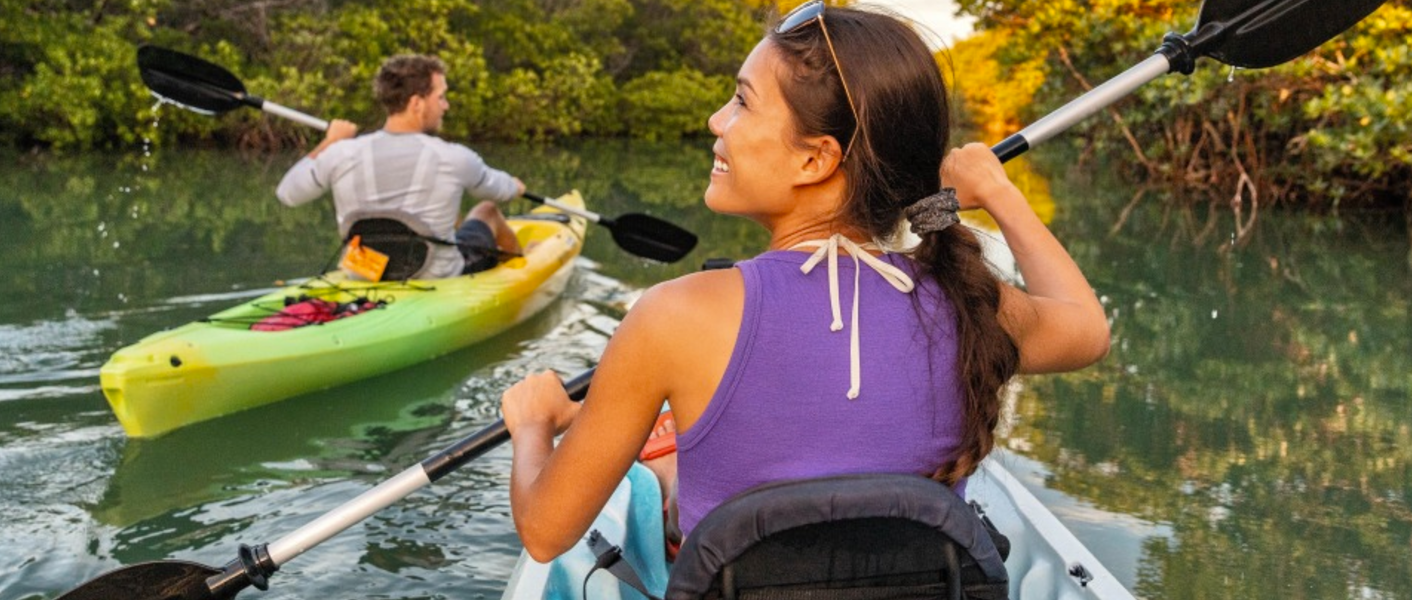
[(849, 537), (405, 239)]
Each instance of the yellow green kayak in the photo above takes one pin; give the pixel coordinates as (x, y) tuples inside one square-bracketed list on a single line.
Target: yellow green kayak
[(248, 356)]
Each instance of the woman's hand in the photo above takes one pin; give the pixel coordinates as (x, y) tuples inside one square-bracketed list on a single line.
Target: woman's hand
[(539, 400), (977, 175)]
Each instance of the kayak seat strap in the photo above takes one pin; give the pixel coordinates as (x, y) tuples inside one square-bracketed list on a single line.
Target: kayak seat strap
[(851, 537), (404, 238), (610, 558)]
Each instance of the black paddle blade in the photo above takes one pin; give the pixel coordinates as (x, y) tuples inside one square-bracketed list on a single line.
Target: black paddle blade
[(189, 81), (161, 580), (650, 237), (1263, 33)]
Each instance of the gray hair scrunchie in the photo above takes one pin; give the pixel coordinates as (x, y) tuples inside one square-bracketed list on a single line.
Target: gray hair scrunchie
[(935, 212)]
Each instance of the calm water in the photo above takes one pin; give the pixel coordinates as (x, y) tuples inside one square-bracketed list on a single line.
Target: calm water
[(1247, 437)]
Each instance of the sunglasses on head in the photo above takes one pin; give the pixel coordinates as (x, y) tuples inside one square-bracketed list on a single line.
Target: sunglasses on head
[(810, 12)]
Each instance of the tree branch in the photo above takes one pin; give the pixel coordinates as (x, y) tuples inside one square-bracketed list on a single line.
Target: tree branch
[(1117, 117), (1127, 210)]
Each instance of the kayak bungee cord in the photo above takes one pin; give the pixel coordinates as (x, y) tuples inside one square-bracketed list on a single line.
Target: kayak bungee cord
[(330, 301)]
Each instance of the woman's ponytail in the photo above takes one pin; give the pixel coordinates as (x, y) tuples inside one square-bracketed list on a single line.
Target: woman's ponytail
[(986, 356)]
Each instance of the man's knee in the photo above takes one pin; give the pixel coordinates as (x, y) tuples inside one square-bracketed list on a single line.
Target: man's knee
[(486, 211)]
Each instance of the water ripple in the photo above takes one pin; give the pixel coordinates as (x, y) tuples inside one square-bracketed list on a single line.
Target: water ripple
[(50, 350), (48, 391)]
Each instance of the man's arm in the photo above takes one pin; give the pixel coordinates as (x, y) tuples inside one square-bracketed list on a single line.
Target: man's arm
[(302, 183), (484, 182)]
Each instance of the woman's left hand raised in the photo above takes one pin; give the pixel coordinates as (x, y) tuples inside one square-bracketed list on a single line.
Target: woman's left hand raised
[(977, 175), (538, 400)]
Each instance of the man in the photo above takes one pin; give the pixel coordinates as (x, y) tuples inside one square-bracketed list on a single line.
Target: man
[(405, 167)]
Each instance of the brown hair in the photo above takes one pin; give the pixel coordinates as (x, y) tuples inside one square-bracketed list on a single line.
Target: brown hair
[(404, 76), (905, 130)]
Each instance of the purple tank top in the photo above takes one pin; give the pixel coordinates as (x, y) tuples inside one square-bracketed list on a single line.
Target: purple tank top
[(781, 411)]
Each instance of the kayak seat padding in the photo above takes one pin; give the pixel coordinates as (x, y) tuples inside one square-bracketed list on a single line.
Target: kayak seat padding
[(406, 240), (850, 537)]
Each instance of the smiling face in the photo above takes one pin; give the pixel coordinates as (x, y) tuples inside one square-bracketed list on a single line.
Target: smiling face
[(756, 158)]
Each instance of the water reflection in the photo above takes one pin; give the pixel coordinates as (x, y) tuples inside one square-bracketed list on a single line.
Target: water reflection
[(1255, 401)]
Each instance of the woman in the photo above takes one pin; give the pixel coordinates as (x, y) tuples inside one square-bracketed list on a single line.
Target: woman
[(835, 134)]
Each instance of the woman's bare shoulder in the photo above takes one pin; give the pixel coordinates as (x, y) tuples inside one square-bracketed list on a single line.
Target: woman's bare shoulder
[(699, 307), (697, 295)]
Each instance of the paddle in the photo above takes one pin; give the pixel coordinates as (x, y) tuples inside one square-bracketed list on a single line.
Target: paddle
[(183, 580), (203, 87), (1253, 34), (643, 235)]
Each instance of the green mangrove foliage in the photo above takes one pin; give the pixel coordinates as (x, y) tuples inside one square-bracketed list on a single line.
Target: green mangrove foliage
[(519, 69), (1327, 129)]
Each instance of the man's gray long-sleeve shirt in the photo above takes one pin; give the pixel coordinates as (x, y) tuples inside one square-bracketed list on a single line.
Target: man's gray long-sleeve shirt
[(416, 173)]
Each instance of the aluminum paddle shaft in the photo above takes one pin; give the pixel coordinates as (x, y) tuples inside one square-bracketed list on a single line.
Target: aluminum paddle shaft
[(1252, 34), (255, 565)]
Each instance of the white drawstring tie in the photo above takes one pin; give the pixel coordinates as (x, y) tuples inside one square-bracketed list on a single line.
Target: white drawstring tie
[(893, 275)]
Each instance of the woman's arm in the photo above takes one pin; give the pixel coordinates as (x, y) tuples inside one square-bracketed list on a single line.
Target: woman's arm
[(1056, 322), (555, 493)]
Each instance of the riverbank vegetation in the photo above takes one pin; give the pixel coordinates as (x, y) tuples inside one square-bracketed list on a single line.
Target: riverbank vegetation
[(519, 69), (1327, 130)]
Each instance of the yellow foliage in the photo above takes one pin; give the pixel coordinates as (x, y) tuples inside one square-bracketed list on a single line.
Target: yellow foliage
[(994, 97)]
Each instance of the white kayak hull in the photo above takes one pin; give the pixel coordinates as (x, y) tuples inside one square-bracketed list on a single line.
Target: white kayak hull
[(1042, 550)]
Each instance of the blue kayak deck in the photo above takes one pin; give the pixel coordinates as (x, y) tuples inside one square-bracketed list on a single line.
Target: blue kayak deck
[(632, 519)]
